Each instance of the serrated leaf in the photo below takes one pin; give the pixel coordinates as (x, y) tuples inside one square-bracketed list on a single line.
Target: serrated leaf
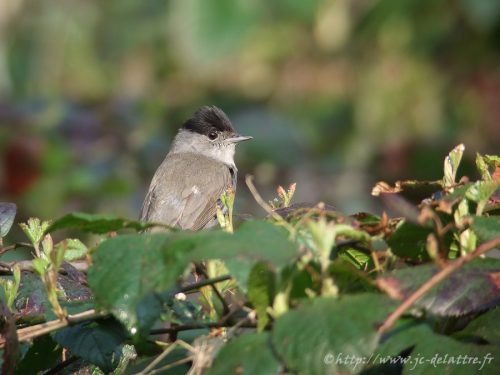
[(35, 229), (98, 224), (451, 163), (140, 264), (74, 249), (486, 227), (434, 354), (472, 288), (480, 192), (484, 327), (248, 354), (98, 343), (254, 241), (7, 216), (310, 338)]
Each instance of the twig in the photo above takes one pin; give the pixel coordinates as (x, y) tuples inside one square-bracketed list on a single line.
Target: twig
[(158, 359), (434, 280), (27, 265), (29, 333), (266, 206), (189, 327), (203, 283), (173, 364)]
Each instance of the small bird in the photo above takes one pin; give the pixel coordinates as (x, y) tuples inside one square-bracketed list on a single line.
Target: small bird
[(186, 189)]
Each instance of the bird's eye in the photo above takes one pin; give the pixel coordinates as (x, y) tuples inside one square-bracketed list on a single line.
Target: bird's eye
[(212, 135)]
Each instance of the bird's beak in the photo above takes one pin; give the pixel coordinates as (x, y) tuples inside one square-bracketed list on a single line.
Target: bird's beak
[(236, 138)]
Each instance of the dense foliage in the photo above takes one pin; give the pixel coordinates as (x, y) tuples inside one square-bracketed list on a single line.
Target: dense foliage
[(308, 290)]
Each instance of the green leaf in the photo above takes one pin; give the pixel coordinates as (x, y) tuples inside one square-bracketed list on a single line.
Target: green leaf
[(74, 249), (7, 215), (98, 224), (484, 327), (98, 343), (311, 338), (41, 355), (254, 241), (409, 241), (261, 291), (35, 229), (127, 268), (480, 192), (248, 354), (482, 166), (486, 228), (40, 265), (434, 354), (31, 301), (451, 163), (470, 289)]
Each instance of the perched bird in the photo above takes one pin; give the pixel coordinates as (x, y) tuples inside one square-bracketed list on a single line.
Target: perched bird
[(186, 188)]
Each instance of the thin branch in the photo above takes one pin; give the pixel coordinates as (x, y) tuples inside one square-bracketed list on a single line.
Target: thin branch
[(266, 206), (203, 283), (189, 327), (29, 333), (434, 280)]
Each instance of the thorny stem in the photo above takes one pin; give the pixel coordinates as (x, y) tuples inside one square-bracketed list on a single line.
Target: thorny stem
[(434, 280)]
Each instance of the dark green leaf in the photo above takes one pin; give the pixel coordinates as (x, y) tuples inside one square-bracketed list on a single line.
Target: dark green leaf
[(41, 355), (98, 343), (98, 224), (486, 227), (432, 353), (409, 241), (7, 215), (472, 288), (484, 327), (254, 241), (127, 268), (261, 290), (31, 302), (248, 354), (311, 338)]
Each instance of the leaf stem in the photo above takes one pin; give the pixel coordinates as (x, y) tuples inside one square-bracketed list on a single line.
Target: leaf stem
[(434, 280)]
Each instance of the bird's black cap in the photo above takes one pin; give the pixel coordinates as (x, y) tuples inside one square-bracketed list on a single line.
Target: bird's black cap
[(207, 119)]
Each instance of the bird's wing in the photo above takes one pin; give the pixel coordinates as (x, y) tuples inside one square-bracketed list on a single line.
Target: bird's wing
[(201, 200), (190, 202)]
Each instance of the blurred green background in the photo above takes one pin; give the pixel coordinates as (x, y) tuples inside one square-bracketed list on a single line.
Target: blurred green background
[(337, 93)]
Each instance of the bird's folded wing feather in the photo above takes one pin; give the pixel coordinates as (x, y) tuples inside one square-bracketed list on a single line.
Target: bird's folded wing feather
[(201, 203), (195, 205)]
